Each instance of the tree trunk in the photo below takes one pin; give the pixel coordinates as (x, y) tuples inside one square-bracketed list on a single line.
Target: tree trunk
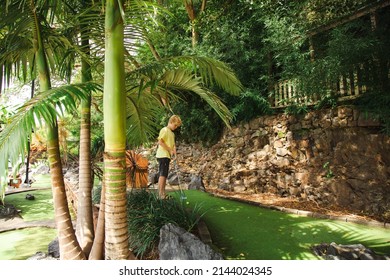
[(97, 251), (114, 105), (193, 16), (69, 248), (84, 226), (26, 180)]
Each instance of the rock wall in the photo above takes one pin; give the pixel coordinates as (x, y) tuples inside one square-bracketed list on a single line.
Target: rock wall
[(334, 156)]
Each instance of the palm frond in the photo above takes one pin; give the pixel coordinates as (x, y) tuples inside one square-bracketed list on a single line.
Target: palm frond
[(42, 108), (142, 113), (167, 77), (183, 81), (211, 71), (16, 52)]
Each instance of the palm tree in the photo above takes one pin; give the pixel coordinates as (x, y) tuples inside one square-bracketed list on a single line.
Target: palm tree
[(84, 222), (26, 18), (114, 106)]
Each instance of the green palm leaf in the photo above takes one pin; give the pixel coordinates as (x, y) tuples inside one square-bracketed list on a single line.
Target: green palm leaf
[(211, 71), (43, 108), (165, 80), (183, 81), (143, 111)]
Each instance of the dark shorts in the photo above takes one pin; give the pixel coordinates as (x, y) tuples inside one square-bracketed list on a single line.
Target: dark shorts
[(163, 166)]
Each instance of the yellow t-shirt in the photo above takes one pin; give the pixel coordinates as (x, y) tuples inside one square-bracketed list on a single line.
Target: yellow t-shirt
[(169, 138)]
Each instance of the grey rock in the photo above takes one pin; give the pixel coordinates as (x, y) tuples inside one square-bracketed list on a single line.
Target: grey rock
[(335, 251), (39, 256), (178, 244), (153, 178), (54, 249), (196, 183), (30, 196)]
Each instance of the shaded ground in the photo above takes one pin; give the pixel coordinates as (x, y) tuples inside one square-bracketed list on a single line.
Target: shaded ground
[(294, 205), (298, 235), (267, 200), (243, 231)]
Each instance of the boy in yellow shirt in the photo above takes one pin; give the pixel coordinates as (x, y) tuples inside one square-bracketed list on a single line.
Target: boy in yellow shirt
[(166, 151)]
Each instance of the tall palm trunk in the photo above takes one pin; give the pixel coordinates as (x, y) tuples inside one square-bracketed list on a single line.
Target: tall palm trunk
[(69, 248), (114, 110), (84, 226), (27, 180), (97, 250)]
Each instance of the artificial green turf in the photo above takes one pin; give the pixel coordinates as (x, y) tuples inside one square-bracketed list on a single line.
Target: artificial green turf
[(243, 231), (239, 230), (41, 208), (22, 244), (41, 181)]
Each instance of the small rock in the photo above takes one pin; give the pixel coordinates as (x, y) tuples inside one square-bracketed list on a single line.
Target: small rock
[(54, 249), (30, 196)]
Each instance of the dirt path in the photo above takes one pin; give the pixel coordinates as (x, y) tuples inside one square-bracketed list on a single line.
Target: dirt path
[(8, 224), (19, 190)]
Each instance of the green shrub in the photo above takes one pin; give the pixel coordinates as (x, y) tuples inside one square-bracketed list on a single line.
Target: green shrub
[(201, 124), (250, 104), (376, 106), (147, 214)]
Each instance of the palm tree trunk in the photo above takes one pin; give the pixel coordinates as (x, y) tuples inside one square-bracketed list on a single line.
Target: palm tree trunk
[(27, 180), (84, 228), (84, 225), (97, 251), (69, 248), (114, 105)]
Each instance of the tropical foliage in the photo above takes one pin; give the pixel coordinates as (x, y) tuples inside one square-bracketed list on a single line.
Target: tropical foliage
[(147, 214), (131, 102), (268, 41), (121, 66)]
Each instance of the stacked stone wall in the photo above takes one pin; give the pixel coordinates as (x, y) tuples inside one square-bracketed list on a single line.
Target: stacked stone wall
[(334, 156)]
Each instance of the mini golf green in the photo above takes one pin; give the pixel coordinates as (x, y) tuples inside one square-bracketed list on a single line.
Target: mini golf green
[(243, 231), (41, 208), (239, 230), (23, 243)]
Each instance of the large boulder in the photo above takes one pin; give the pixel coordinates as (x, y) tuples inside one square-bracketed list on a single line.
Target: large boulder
[(178, 244), (196, 183)]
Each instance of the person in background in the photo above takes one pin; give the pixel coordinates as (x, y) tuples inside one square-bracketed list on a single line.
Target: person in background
[(166, 152)]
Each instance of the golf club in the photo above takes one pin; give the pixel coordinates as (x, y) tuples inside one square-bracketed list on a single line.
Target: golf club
[(182, 195)]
